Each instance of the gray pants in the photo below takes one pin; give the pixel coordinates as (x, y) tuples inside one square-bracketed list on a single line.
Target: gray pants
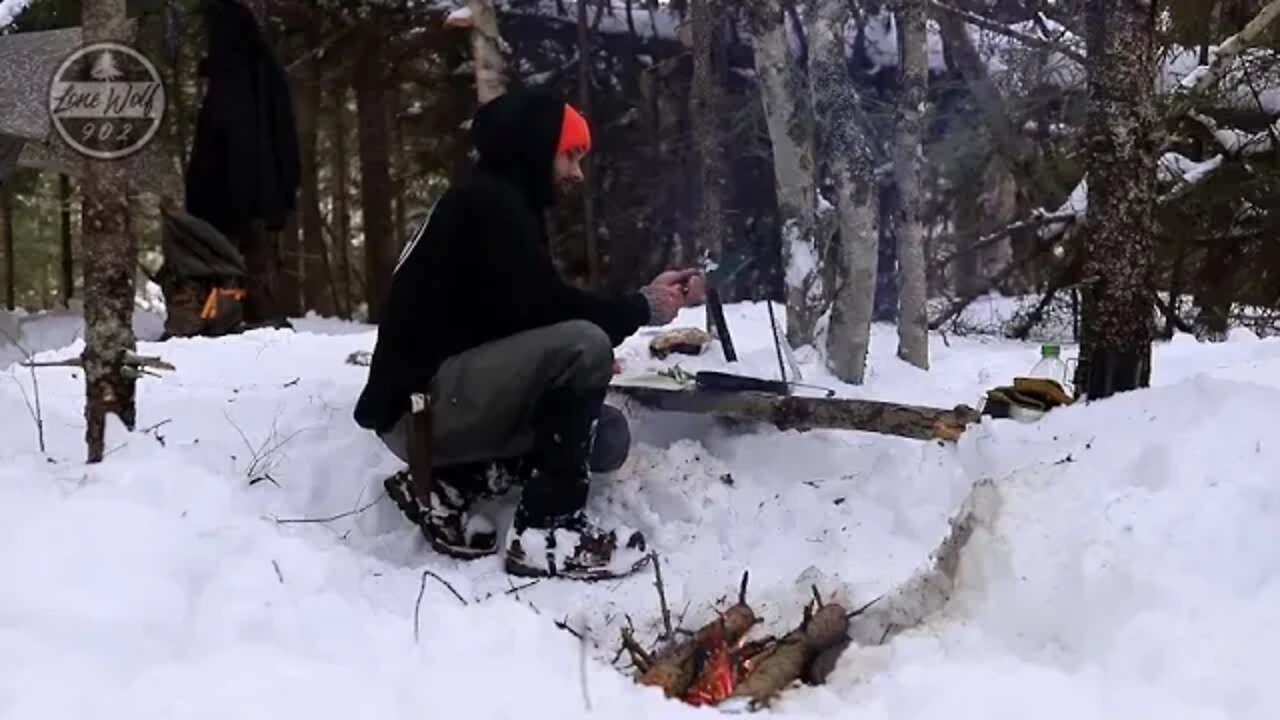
[(483, 399)]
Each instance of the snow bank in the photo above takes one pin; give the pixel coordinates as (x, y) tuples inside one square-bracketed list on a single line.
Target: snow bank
[(1128, 574)]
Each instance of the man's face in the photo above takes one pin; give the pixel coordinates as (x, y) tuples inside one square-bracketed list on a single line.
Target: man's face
[(567, 171)]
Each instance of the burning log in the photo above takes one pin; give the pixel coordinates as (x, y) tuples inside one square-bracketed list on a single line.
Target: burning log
[(674, 671), (792, 656), (718, 664)]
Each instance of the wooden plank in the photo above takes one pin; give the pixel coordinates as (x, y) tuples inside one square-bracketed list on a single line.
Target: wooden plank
[(806, 413)]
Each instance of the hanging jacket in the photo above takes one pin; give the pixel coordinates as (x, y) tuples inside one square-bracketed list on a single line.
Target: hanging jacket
[(245, 162), (480, 267)]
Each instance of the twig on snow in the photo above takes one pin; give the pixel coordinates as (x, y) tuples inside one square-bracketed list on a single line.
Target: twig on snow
[(349, 513), (279, 575), (582, 671), (422, 588), (668, 633), (36, 414)]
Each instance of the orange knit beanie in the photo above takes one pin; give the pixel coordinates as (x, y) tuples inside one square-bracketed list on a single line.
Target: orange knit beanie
[(574, 133)]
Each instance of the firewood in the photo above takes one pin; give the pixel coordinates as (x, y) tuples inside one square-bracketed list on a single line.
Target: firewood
[(806, 413), (674, 670), (788, 661)]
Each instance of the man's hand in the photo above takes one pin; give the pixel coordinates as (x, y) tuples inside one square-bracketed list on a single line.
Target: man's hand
[(690, 282), (675, 289)]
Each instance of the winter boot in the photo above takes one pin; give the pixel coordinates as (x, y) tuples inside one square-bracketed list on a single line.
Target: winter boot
[(445, 517), (550, 534), (570, 547)]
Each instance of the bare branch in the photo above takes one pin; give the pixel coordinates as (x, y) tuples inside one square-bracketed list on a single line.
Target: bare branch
[(662, 597), (36, 414), (1203, 77), (349, 513), (1001, 29)]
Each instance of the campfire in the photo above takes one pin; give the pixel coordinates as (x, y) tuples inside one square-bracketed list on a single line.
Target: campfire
[(720, 666)]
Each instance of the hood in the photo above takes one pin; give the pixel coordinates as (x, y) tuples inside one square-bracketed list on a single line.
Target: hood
[(516, 135)]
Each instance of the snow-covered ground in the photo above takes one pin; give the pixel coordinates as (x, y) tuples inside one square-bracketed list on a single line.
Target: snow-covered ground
[(1130, 570)]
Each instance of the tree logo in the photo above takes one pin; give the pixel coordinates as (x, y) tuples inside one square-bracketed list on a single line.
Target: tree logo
[(107, 100)]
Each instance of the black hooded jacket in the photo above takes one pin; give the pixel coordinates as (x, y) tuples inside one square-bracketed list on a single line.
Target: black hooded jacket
[(480, 268)]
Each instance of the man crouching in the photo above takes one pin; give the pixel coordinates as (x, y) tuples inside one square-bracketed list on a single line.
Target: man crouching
[(516, 362)]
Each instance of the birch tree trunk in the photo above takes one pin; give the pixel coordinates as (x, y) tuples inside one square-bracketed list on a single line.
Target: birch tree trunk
[(109, 256), (1116, 329), (487, 47), (788, 110), (913, 321), (837, 105)]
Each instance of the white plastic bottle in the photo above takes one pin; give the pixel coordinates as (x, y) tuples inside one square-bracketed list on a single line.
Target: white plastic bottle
[(1051, 366)]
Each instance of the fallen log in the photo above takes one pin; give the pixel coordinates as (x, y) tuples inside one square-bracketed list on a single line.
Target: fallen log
[(807, 413)]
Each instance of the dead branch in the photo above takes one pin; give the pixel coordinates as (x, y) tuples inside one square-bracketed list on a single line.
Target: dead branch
[(639, 656), (1022, 329), (1204, 76), (137, 364), (422, 587), (1171, 315), (349, 513), (982, 288), (662, 598), (36, 413), (742, 588), (1001, 29), (1036, 221)]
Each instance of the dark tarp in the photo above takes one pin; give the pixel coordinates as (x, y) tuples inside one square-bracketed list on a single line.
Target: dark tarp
[(194, 249)]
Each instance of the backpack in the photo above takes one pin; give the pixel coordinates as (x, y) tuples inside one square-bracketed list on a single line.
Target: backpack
[(203, 278)]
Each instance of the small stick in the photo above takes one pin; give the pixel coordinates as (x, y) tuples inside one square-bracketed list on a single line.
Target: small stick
[(742, 587), (863, 609), (662, 598), (639, 656), (349, 513), (817, 596), (582, 669), (517, 588), (564, 625), (444, 582), (279, 575)]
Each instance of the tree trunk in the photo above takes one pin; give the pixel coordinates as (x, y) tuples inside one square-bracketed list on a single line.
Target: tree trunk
[(317, 284), (6, 234), (486, 49), (1117, 328), (788, 110), (913, 321), (68, 281), (375, 173), (341, 214), (589, 236), (837, 105), (704, 114), (290, 268), (109, 257)]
